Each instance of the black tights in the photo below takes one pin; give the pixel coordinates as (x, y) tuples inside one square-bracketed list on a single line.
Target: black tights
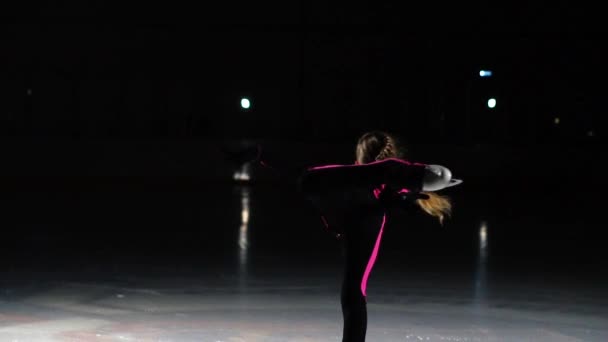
[(358, 248)]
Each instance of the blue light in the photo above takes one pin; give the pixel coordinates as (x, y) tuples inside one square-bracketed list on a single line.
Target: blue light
[(245, 103), (485, 73)]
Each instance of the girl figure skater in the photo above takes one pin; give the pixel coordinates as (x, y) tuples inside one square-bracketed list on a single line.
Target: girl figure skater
[(354, 201)]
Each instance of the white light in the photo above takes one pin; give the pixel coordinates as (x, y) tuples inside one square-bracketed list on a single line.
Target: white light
[(483, 235), (556, 121), (491, 103), (485, 73), (481, 272), (243, 173), (245, 216), (245, 103), (243, 239), (241, 176), (590, 134)]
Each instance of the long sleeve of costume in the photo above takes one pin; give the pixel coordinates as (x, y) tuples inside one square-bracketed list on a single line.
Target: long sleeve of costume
[(344, 192), (395, 173)]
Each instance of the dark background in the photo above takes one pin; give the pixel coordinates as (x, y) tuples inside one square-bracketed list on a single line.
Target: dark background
[(113, 117)]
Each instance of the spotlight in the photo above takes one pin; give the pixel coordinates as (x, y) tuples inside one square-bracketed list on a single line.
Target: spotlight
[(492, 103), (245, 103), (485, 73)]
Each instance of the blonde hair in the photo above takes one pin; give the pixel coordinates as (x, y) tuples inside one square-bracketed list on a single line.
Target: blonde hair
[(378, 145)]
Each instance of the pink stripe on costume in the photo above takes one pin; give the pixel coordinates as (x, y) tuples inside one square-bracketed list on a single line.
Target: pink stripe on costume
[(372, 259), (378, 191), (359, 165), (324, 221), (326, 167)]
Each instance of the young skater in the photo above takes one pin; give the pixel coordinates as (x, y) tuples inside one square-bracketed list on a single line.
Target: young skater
[(353, 201)]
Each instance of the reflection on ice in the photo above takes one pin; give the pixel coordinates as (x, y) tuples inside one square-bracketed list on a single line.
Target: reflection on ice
[(481, 269), (243, 240)]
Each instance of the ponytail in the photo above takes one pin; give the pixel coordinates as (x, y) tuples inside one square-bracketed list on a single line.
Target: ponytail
[(436, 205)]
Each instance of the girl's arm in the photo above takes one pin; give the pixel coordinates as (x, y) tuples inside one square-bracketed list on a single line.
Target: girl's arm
[(393, 172)]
